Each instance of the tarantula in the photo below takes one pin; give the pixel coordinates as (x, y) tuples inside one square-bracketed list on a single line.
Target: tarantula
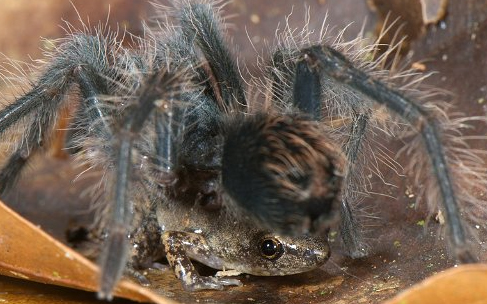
[(170, 120)]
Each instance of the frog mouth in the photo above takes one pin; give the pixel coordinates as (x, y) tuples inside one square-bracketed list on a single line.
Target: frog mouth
[(288, 264)]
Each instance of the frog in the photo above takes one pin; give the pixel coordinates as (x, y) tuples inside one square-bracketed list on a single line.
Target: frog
[(183, 233), (224, 243)]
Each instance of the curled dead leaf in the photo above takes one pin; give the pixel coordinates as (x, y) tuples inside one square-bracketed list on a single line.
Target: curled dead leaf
[(461, 285), (29, 253)]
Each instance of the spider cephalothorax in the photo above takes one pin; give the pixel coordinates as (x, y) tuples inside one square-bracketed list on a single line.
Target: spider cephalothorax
[(170, 123)]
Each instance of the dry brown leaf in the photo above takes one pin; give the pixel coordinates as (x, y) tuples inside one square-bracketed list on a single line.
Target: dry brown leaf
[(461, 285), (29, 253)]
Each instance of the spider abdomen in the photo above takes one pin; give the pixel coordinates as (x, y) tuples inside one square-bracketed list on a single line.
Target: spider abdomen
[(284, 171)]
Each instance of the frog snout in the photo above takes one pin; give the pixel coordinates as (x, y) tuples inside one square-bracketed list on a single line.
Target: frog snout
[(318, 256)]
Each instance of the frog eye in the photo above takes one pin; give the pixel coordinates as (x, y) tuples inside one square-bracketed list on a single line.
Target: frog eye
[(271, 248)]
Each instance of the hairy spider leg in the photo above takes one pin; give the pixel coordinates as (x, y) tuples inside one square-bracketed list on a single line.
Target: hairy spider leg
[(278, 61), (88, 62), (114, 257), (90, 116), (166, 132), (202, 27), (307, 98), (350, 228), (11, 170), (307, 91), (333, 64), (77, 61)]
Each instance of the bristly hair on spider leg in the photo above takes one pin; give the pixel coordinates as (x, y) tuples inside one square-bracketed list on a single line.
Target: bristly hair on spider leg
[(98, 66), (466, 168), (342, 101), (15, 76), (203, 24), (38, 107), (337, 106), (161, 51), (427, 124), (156, 94), (145, 128)]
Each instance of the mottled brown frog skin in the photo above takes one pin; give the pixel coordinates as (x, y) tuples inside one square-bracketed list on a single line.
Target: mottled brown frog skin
[(216, 240)]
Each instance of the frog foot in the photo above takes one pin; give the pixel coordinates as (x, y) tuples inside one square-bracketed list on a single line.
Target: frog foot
[(160, 266), (197, 282), (179, 246), (139, 276)]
